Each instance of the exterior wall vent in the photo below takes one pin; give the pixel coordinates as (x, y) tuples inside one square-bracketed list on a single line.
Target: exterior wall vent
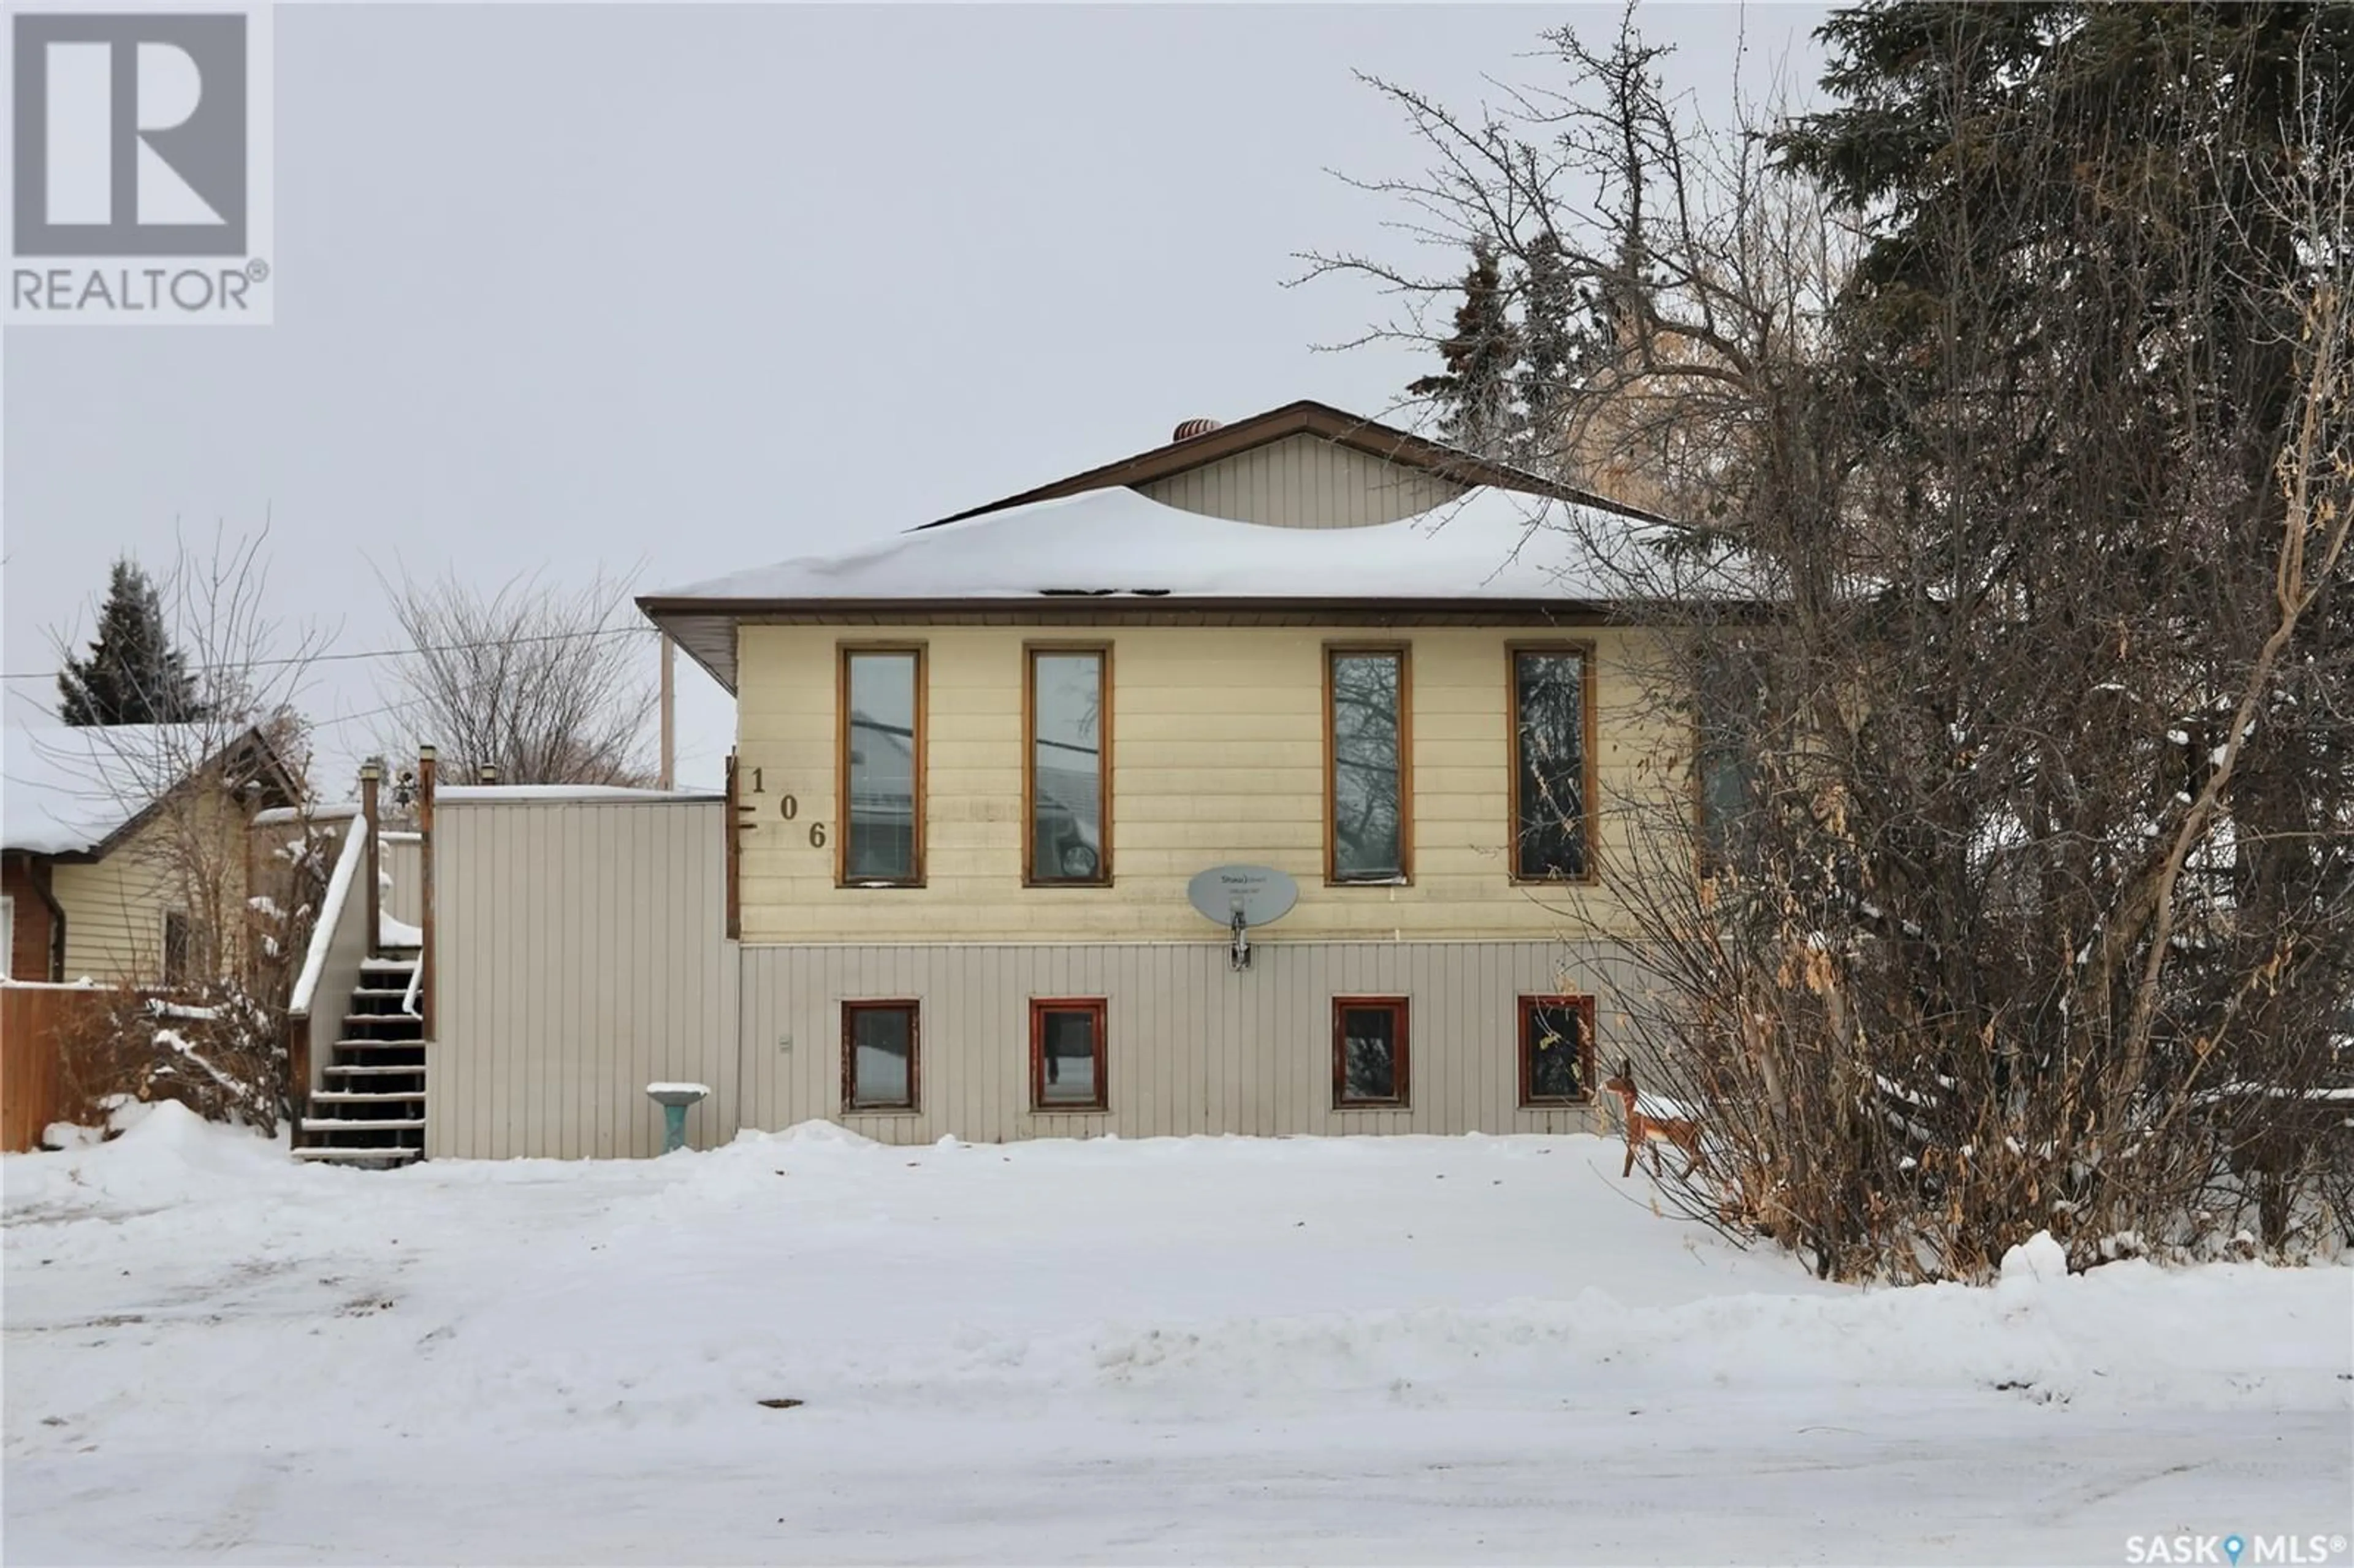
[(1187, 430)]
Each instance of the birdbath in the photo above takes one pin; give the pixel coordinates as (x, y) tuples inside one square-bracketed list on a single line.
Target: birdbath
[(674, 1098)]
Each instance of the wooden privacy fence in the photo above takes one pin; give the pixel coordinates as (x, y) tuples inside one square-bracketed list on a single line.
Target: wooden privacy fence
[(32, 1017)]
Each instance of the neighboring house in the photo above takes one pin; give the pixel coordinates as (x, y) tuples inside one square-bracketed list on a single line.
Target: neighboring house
[(979, 763), (123, 845)]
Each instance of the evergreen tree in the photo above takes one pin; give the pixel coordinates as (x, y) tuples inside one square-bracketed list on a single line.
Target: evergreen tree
[(131, 674), (1474, 394), (1564, 321)]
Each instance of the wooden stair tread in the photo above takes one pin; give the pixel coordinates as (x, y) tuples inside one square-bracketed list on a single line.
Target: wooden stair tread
[(361, 1151)]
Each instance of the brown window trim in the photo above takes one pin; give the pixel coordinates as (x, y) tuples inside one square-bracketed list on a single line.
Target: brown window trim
[(844, 651), (1405, 877), (1589, 783), (1030, 651), (849, 1011), (1402, 1071), (1039, 1007), (1583, 1007)]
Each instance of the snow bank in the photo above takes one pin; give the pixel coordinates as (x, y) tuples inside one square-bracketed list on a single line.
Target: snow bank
[(517, 1360)]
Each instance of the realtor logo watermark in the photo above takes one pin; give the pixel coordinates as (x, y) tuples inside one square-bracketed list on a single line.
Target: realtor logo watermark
[(139, 177), (2235, 1550)]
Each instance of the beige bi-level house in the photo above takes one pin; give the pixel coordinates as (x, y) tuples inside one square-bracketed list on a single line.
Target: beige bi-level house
[(978, 766)]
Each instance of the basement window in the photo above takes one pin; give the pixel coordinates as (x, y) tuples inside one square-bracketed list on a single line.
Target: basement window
[(880, 1071), (1556, 1050), (1369, 1052), (1066, 1054)]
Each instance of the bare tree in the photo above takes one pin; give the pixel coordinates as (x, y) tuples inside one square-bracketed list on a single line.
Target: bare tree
[(548, 685), (242, 743), (221, 942), (2018, 896)]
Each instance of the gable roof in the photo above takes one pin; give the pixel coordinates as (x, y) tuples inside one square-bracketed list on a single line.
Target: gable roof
[(1305, 416), (78, 792)]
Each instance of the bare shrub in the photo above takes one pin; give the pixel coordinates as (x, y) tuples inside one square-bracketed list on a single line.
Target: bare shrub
[(213, 1048)]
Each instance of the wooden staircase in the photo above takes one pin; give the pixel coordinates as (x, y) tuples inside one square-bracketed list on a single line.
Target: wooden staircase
[(371, 1110)]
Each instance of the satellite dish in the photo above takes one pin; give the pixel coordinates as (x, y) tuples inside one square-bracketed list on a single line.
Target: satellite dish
[(1241, 896)]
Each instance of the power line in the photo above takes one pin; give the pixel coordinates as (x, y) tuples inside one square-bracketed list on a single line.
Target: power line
[(382, 653)]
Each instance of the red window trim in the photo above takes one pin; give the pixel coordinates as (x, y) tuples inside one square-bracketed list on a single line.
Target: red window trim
[(1402, 1071), (1583, 1007), (1039, 1007), (849, 1011)]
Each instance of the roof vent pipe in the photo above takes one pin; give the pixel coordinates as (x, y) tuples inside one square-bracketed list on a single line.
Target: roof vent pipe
[(1187, 430)]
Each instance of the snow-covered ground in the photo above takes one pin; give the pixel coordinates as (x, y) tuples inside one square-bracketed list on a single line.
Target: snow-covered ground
[(1361, 1350)]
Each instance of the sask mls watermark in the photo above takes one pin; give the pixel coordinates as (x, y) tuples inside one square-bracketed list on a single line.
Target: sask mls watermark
[(139, 177), (2235, 1549)]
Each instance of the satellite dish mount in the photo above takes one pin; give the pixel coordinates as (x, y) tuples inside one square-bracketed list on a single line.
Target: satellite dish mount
[(1240, 897)]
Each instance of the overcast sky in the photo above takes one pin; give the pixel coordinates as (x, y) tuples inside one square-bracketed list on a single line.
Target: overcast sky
[(702, 289)]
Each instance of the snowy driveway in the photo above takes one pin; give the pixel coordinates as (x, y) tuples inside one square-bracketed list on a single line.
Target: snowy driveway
[(1409, 1349)]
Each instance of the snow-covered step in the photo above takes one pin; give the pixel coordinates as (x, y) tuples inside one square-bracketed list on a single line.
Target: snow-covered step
[(362, 1124), (366, 1097), (355, 1152), (377, 1070)]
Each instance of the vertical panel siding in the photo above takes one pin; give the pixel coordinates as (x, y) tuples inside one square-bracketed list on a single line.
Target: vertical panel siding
[(1191, 1046), (1304, 482), (580, 957), (398, 858)]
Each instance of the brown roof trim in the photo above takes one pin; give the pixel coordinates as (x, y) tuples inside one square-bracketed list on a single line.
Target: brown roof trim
[(252, 737), (1305, 416), (1109, 603), (683, 617)]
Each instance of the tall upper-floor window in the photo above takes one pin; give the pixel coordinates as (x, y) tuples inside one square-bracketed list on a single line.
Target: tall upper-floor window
[(1552, 785), (882, 766), (1731, 712), (1066, 781), (1368, 777)]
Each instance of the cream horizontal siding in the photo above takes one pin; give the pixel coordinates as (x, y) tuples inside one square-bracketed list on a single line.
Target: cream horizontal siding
[(1217, 756), (579, 956), (190, 856), (114, 919), (1304, 482), (1191, 1046)]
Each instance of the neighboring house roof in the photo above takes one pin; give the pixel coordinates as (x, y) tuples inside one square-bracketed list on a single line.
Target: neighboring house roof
[(75, 790), (1305, 416)]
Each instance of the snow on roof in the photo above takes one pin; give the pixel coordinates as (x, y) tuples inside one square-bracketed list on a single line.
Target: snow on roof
[(67, 790), (1491, 544)]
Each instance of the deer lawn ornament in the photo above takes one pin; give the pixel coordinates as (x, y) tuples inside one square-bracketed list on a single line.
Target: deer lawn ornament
[(1651, 1131)]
